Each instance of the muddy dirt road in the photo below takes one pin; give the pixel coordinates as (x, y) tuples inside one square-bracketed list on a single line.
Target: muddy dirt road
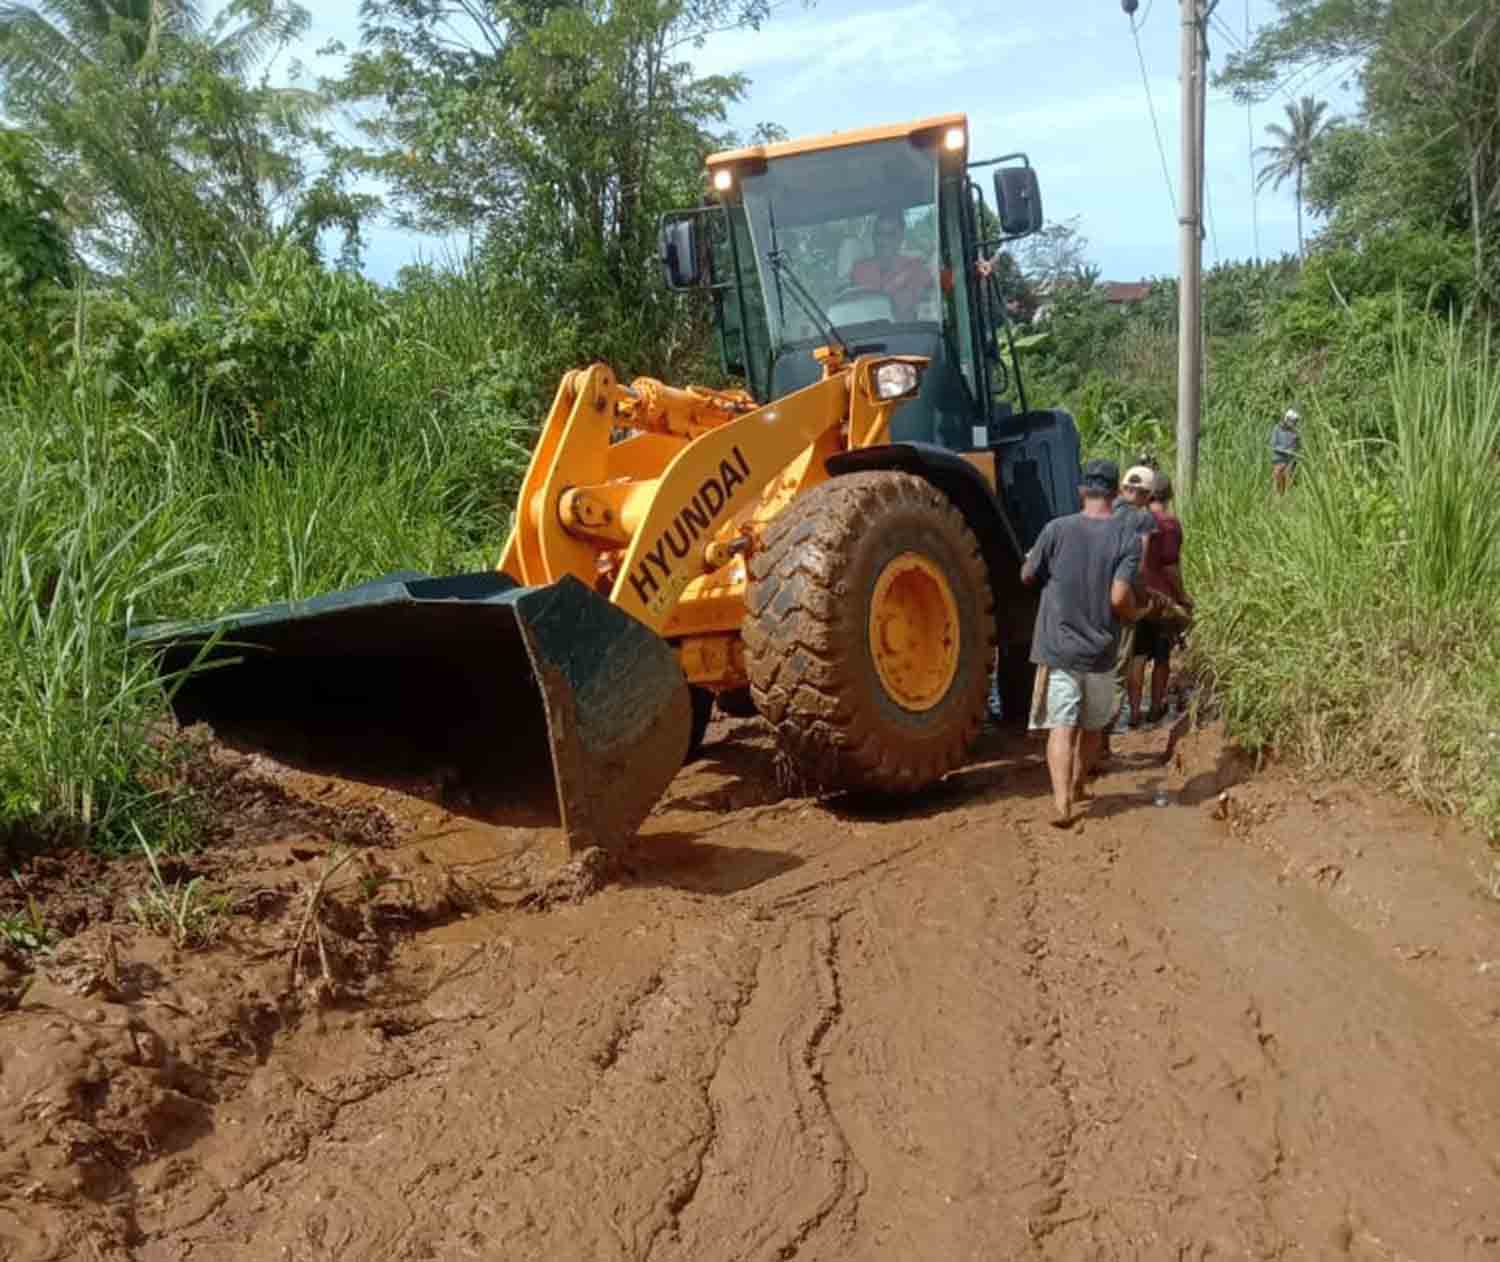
[(796, 1031)]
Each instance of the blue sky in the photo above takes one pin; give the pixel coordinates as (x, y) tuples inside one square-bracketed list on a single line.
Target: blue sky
[(1059, 80)]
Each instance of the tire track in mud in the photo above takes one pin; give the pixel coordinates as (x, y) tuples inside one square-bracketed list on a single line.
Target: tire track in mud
[(847, 1176), (1249, 1077), (1046, 1213), (1171, 1100), (779, 1173), (562, 1120), (682, 1190), (937, 1070)]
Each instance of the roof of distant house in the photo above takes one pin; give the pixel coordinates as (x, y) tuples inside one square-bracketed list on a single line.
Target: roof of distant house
[(1126, 291)]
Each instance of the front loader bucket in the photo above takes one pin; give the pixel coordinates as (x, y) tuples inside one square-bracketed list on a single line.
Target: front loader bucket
[(529, 704)]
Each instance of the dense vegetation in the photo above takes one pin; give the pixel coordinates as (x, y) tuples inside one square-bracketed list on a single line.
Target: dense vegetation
[(205, 405), (1352, 622)]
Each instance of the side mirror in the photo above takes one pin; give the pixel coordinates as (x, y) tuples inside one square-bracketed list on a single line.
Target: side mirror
[(1018, 198), (681, 259)]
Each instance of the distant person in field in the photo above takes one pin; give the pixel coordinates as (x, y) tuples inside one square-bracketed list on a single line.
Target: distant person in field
[(1161, 576), (1087, 565), (903, 278), (1284, 444)]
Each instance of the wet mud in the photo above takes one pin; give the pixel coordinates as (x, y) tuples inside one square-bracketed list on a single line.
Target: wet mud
[(1261, 1021)]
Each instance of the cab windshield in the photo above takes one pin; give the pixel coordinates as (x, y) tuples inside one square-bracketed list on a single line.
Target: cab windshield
[(858, 227)]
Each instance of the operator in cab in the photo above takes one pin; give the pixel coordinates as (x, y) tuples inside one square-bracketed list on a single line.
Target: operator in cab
[(903, 278)]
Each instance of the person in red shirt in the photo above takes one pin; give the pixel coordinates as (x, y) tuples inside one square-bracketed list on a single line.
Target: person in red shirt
[(904, 278), (1161, 576)]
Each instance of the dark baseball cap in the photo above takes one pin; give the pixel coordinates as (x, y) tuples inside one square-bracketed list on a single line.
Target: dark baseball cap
[(1101, 476)]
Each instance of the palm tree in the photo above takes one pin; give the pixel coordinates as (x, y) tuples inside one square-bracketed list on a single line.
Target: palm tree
[(144, 168), (1296, 142), (44, 45)]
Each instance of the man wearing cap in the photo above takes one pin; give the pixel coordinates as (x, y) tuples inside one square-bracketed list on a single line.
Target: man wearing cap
[(1284, 444), (1132, 509), (1168, 604), (1087, 565)]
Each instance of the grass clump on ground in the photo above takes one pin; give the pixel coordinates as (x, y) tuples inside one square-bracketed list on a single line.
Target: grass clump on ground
[(1352, 623)]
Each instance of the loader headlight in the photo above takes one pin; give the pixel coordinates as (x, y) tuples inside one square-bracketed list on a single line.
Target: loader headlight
[(894, 380)]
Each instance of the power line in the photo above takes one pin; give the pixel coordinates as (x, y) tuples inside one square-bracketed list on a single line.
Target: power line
[(1205, 193), (1306, 73), (1321, 83), (1209, 19), (1161, 151), (1302, 77), (1222, 27), (1312, 75), (1213, 232), (1250, 154)]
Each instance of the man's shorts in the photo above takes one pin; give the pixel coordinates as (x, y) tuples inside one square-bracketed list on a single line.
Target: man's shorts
[(1071, 698), (1153, 640)]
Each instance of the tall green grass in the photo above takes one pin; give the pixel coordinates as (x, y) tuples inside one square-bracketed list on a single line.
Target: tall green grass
[(87, 541), (1445, 458), (1353, 622), (126, 502)]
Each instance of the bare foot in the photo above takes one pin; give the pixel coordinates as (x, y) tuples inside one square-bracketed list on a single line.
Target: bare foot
[(1063, 821)]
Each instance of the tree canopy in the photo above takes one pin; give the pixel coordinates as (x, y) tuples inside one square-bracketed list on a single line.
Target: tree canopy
[(1424, 151), (170, 157), (555, 133)]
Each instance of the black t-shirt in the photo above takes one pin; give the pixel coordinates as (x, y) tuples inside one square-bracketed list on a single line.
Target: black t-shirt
[(1076, 559)]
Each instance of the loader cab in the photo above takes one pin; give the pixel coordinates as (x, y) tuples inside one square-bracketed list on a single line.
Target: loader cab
[(883, 229)]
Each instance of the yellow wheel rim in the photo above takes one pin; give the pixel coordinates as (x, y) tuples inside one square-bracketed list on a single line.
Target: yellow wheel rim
[(914, 636)]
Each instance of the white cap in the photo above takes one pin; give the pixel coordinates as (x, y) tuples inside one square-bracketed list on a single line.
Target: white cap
[(1291, 415)]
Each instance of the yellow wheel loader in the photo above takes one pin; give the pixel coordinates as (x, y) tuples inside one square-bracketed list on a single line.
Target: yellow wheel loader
[(836, 546)]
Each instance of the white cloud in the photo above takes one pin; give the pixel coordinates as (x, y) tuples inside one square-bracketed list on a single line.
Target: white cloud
[(813, 54)]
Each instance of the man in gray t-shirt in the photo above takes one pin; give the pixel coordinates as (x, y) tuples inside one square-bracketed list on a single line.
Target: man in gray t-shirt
[(1087, 565)]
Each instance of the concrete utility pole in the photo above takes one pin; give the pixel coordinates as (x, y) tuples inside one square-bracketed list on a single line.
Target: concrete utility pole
[(1193, 70), (1202, 205)]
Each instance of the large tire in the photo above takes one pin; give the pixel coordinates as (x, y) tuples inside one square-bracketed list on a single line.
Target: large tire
[(826, 566)]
